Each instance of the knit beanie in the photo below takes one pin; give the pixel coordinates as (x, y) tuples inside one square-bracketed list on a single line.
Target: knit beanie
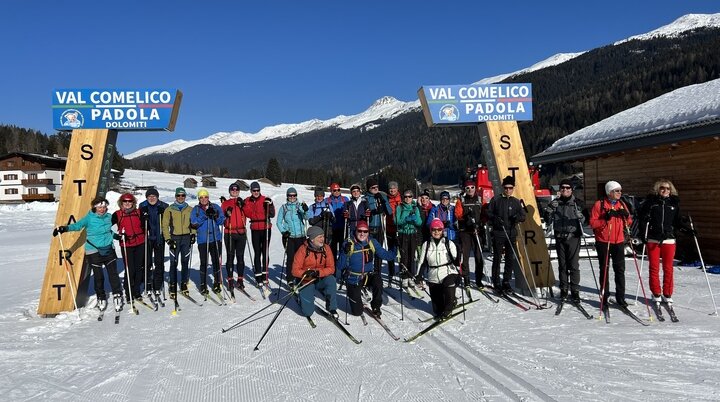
[(611, 185), (152, 191), (313, 232)]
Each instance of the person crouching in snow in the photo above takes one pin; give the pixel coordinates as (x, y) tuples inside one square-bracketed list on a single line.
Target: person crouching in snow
[(99, 250), (355, 263), (315, 266), (443, 259)]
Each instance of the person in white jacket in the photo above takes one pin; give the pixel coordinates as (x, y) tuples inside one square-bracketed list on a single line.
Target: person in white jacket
[(443, 259)]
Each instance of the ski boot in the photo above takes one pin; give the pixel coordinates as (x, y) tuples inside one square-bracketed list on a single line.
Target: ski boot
[(203, 289), (184, 288), (231, 283), (172, 289), (239, 283), (575, 297), (667, 299), (118, 302), (102, 304), (335, 315), (216, 288)]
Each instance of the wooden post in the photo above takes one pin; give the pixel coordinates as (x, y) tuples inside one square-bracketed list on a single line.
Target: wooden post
[(87, 175), (504, 156)]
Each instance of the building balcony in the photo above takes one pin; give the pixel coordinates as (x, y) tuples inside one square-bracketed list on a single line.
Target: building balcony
[(36, 182), (38, 197)]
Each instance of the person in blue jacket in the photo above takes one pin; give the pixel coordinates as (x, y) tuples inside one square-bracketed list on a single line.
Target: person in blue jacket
[(379, 207), (355, 263), (152, 210), (445, 211), (206, 218), (291, 219), (99, 250), (337, 201)]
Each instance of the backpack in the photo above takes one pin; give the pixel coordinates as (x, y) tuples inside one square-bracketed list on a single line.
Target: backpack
[(451, 259)]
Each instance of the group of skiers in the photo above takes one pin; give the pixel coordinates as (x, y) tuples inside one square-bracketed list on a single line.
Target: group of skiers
[(340, 239)]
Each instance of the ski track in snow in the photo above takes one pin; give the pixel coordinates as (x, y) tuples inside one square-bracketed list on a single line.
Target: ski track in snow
[(498, 353)]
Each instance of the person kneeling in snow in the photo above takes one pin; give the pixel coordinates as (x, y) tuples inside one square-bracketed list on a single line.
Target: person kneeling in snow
[(315, 265), (356, 265)]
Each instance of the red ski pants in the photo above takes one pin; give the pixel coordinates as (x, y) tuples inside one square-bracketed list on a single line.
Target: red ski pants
[(655, 252)]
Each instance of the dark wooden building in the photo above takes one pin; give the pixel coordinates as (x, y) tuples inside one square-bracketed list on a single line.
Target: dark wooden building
[(676, 137)]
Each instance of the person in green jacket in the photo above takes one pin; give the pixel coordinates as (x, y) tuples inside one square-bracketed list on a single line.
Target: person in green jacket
[(99, 250), (408, 222), (180, 237)]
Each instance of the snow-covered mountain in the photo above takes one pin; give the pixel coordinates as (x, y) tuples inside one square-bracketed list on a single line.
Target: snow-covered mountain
[(388, 107), (382, 109)]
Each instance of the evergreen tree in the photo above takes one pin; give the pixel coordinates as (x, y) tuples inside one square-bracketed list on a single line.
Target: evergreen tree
[(273, 171)]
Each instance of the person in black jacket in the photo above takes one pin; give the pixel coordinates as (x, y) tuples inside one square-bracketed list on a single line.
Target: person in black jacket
[(659, 218), (504, 212), (152, 210), (566, 218)]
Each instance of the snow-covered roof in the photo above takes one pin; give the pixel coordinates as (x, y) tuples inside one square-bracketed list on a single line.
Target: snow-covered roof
[(685, 113)]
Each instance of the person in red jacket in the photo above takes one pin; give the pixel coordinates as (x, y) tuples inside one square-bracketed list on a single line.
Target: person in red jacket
[(235, 236), (259, 209), (130, 226), (609, 219)]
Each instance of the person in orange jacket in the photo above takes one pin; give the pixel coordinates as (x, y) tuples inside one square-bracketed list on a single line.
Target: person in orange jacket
[(609, 219), (315, 265)]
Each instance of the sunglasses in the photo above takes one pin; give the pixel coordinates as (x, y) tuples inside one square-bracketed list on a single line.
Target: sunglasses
[(437, 230), (664, 188), (372, 187), (363, 231), (408, 196), (509, 188), (292, 195), (565, 187), (255, 191), (127, 202), (334, 191), (617, 191), (470, 188)]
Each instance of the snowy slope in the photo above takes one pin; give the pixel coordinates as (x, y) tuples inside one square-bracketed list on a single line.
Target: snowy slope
[(496, 352), (676, 28)]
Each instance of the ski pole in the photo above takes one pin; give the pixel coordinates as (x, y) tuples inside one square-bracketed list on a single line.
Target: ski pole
[(271, 323), (218, 254), (517, 259), (239, 323), (527, 257), (70, 281), (128, 276), (402, 306), (637, 268), (277, 294), (145, 266), (692, 226), (605, 270), (642, 261), (592, 269)]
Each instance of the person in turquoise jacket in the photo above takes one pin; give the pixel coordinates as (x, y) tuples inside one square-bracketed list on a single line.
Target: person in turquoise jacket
[(99, 250), (355, 264), (206, 218), (291, 220), (408, 222)]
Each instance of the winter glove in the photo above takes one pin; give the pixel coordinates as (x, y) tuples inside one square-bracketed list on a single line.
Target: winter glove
[(304, 207), (117, 236), (285, 237), (211, 213), (367, 213), (347, 248), (239, 202), (59, 229), (610, 214), (171, 243), (379, 200), (623, 213), (228, 211), (312, 274), (192, 239), (346, 214), (327, 215)]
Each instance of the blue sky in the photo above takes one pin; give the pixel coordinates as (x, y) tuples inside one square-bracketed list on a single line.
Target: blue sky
[(248, 65)]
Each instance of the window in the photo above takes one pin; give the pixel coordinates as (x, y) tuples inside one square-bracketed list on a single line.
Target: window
[(32, 176), (32, 191), (11, 191), (10, 177)]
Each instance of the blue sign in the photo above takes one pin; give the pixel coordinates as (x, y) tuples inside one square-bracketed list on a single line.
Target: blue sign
[(473, 104), (116, 109)]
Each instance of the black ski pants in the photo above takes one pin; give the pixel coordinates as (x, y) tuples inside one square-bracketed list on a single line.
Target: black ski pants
[(181, 252), (408, 246), (155, 264), (213, 249), (260, 242), (392, 243), (134, 257), (617, 258), (443, 295), (372, 280), (377, 234), (568, 254), (338, 237), (96, 262), (470, 247), (503, 246), (235, 251)]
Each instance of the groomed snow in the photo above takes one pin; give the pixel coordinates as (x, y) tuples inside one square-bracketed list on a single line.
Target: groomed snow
[(496, 352)]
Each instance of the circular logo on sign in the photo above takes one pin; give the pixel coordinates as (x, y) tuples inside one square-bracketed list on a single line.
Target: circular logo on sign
[(72, 118), (449, 113)]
